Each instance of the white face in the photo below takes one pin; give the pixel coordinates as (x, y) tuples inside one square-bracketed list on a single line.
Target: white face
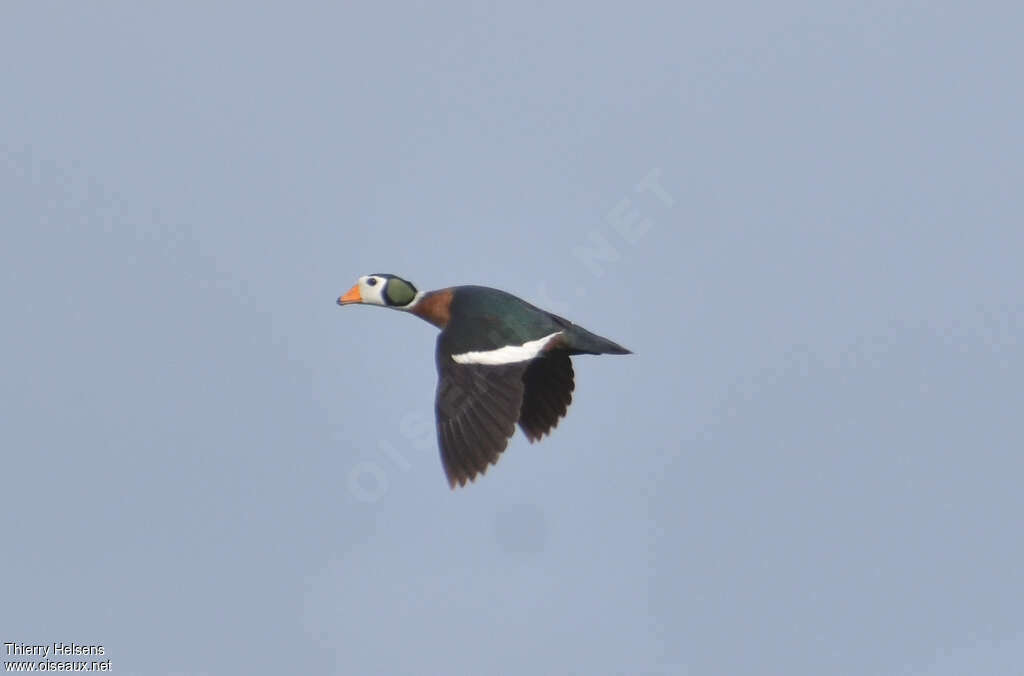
[(371, 288)]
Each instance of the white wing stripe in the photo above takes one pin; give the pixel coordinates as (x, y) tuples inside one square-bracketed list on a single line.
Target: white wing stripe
[(508, 354)]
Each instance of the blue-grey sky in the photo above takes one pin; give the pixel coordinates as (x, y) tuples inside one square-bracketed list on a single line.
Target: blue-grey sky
[(804, 218)]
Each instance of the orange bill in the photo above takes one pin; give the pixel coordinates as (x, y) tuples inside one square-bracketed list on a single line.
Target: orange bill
[(351, 296)]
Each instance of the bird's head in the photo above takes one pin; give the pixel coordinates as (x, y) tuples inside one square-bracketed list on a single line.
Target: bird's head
[(381, 289)]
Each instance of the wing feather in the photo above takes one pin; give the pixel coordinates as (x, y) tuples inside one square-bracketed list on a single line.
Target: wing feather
[(477, 407), (548, 387)]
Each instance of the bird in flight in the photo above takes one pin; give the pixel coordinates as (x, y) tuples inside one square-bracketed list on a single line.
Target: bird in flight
[(500, 361)]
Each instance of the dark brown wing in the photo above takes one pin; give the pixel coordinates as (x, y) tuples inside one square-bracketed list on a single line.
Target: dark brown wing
[(548, 382), (477, 407)]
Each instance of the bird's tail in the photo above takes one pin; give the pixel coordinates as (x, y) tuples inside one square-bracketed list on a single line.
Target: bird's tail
[(581, 341)]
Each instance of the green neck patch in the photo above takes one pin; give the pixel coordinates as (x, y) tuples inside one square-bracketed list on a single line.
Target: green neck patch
[(399, 292)]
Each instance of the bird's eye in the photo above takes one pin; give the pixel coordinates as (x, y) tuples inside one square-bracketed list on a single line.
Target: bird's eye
[(372, 281)]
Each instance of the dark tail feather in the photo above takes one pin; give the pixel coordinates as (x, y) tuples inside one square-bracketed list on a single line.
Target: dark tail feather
[(581, 341)]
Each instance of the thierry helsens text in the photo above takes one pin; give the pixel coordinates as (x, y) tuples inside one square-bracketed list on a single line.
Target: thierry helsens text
[(59, 648)]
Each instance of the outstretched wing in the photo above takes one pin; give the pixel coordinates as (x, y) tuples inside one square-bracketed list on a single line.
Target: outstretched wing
[(548, 386), (477, 406), (482, 364)]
